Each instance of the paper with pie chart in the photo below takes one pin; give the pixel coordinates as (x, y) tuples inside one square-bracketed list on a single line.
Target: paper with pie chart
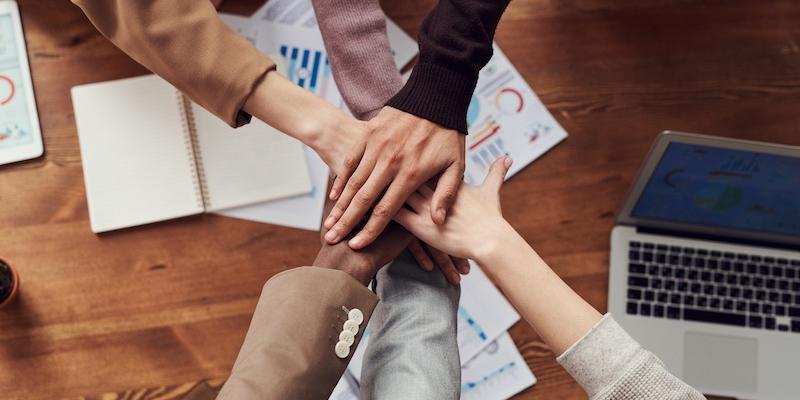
[(15, 125), (505, 117)]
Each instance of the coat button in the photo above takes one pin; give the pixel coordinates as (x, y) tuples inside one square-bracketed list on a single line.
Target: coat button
[(347, 337), (342, 349), (351, 326), (356, 315)]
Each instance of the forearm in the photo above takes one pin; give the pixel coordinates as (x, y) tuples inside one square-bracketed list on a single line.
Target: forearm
[(559, 315), (300, 315), (354, 32), (187, 44), (295, 111)]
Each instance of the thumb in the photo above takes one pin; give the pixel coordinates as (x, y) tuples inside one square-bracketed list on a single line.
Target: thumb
[(445, 194), (497, 173)]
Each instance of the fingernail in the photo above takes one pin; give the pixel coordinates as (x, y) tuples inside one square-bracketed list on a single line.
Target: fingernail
[(332, 236), (466, 270), (456, 279), (428, 266), (356, 241), (441, 214), (332, 196), (329, 222), (508, 162)]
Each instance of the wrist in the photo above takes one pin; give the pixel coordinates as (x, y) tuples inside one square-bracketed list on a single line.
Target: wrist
[(440, 95), (360, 274), (327, 129), (285, 106), (330, 260), (498, 238)]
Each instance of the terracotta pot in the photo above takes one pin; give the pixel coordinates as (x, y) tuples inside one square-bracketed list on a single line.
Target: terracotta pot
[(4, 268)]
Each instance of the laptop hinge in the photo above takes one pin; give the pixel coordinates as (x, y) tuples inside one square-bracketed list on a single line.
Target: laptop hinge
[(717, 238)]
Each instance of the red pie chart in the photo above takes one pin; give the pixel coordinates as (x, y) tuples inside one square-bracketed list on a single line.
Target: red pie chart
[(7, 89), (509, 101)]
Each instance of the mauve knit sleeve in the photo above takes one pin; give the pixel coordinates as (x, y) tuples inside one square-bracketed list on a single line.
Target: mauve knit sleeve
[(354, 32)]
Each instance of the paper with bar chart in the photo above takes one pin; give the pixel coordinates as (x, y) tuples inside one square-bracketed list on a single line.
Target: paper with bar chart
[(300, 13), (309, 68), (505, 117), (497, 373), (303, 55), (483, 313), (301, 58)]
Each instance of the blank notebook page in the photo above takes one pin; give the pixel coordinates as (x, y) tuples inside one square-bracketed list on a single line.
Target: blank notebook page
[(249, 164), (137, 166)]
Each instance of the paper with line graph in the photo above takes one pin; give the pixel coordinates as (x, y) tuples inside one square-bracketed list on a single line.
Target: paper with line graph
[(505, 117)]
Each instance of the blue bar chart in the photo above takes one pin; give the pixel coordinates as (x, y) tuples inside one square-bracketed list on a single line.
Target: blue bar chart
[(308, 68)]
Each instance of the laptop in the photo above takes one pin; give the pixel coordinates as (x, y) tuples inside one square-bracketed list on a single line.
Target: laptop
[(705, 264)]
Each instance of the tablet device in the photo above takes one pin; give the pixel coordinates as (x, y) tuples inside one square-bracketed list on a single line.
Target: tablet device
[(20, 135)]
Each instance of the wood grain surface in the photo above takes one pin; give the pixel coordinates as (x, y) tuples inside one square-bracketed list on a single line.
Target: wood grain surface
[(148, 312)]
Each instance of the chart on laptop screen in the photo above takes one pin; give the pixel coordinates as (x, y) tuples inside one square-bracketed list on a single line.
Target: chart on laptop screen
[(725, 188)]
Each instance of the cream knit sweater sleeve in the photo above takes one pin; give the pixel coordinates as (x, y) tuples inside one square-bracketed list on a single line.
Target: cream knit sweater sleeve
[(609, 364)]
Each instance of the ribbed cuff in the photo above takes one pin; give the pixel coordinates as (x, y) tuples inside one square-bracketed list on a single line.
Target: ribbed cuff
[(437, 94), (602, 356)]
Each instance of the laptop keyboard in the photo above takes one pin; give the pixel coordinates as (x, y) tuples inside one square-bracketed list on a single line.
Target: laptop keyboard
[(694, 284)]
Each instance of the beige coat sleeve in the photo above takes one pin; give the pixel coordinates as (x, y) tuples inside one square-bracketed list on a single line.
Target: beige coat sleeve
[(288, 352), (186, 43)]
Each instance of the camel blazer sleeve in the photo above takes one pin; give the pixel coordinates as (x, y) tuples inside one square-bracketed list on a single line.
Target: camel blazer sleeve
[(289, 351), (186, 43)]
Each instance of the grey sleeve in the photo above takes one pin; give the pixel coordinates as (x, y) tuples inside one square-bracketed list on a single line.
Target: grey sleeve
[(609, 364), (413, 349)]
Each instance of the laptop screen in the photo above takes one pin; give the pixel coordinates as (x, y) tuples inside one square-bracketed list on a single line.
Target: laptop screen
[(724, 188)]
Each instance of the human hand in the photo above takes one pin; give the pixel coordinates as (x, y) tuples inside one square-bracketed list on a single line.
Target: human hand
[(365, 263), (429, 258), (341, 144), (475, 224), (402, 152)]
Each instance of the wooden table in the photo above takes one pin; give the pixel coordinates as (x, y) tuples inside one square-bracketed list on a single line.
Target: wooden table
[(167, 305)]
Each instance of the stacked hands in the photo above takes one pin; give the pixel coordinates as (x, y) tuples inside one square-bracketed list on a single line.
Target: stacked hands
[(380, 167), (441, 214), (396, 159)]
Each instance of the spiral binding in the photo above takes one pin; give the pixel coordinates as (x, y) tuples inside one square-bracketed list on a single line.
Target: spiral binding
[(192, 147)]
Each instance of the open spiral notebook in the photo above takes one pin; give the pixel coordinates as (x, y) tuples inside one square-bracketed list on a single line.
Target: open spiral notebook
[(149, 154)]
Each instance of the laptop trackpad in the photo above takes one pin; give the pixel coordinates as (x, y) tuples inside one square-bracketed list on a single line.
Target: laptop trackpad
[(720, 362)]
